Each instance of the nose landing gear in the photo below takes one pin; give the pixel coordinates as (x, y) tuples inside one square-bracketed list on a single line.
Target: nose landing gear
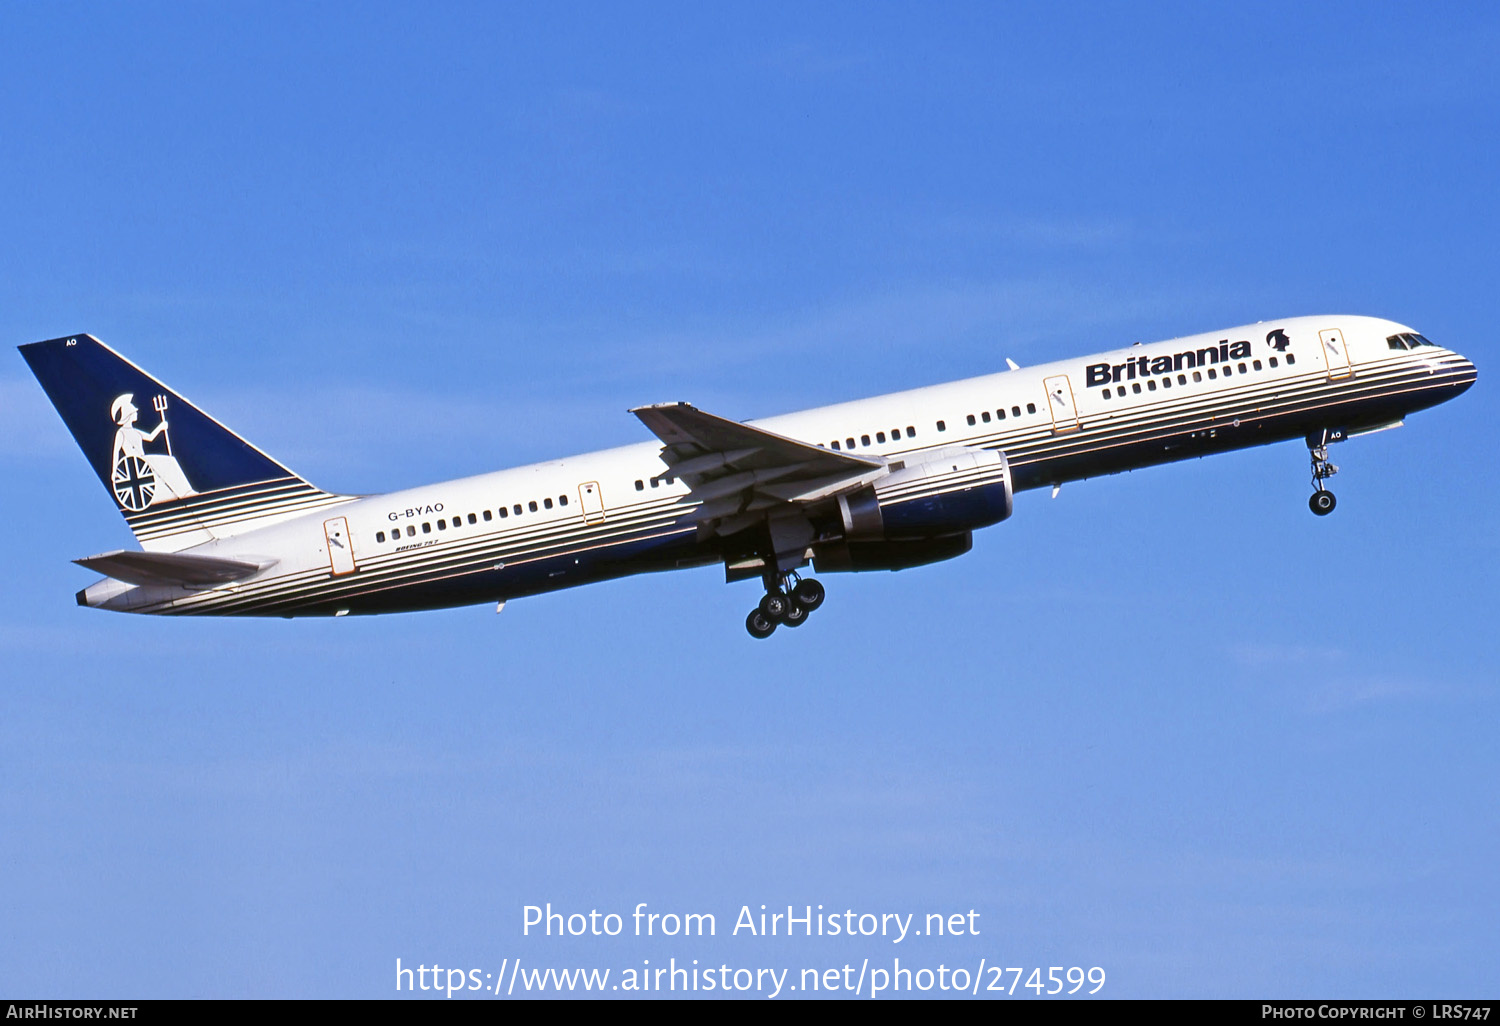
[(784, 604), (1321, 501)]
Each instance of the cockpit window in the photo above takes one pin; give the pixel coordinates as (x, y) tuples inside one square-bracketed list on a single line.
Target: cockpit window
[(1409, 340), (1397, 342)]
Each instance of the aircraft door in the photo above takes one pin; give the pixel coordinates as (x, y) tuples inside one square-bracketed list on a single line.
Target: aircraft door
[(1060, 403), (592, 501), (1335, 353), (340, 548)]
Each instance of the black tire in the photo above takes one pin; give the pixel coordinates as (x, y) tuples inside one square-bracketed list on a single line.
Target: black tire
[(809, 594), (1322, 502), (759, 625), (773, 605), (796, 614)]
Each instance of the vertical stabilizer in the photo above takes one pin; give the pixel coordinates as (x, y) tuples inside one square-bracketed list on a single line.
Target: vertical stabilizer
[(179, 477)]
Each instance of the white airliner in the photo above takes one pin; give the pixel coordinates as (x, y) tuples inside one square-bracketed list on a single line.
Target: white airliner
[(886, 483)]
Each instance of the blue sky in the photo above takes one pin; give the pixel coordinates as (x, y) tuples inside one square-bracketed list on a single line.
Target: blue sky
[(1169, 723)]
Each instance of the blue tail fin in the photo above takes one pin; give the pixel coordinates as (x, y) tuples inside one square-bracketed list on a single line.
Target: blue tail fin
[(182, 480)]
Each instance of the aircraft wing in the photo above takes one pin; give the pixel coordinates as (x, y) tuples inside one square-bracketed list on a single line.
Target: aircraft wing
[(171, 567), (733, 468)]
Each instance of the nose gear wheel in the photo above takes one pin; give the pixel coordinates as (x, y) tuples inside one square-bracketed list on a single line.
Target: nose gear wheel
[(1322, 501)]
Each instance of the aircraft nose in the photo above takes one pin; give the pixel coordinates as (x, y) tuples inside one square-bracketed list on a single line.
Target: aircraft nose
[(1467, 374)]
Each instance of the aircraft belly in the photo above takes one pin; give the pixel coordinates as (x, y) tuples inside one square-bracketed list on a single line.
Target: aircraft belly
[(437, 582)]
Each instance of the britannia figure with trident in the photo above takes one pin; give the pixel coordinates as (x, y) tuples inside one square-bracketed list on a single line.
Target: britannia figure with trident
[(139, 478)]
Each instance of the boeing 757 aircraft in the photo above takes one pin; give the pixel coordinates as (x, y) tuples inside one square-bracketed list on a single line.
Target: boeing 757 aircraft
[(878, 484)]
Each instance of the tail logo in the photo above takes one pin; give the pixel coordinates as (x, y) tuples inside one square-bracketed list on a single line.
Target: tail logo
[(140, 478), (1278, 341)]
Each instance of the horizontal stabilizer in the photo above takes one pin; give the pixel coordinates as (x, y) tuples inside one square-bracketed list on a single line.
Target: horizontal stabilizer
[(171, 567)]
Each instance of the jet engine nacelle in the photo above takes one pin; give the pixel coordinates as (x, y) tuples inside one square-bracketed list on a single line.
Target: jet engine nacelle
[(951, 491)]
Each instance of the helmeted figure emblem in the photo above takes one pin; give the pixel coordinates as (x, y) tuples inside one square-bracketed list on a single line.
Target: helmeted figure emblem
[(139, 478)]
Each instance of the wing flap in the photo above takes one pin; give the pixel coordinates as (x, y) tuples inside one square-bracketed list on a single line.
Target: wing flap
[(817, 489), (172, 567), (740, 474)]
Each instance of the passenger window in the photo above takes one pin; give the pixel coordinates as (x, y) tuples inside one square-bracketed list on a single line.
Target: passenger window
[(985, 416), (1015, 411), (640, 485), (516, 509), (1182, 379), (411, 532), (1211, 374), (473, 519), (864, 439), (1197, 376), (655, 483), (379, 537), (1256, 364), (849, 442), (504, 513), (1228, 370), (1273, 361), (1120, 391), (562, 500), (1000, 414), (442, 525), (1031, 407), (1242, 368), (488, 516), (426, 528), (1166, 382), (1151, 384), (531, 505), (1136, 388), (941, 426), (911, 432), (972, 420), (1290, 359), (880, 437), (835, 443), (895, 434), (1106, 393), (547, 502)]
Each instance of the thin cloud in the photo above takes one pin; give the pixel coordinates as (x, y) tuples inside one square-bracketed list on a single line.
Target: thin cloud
[(1351, 693), (1264, 654)]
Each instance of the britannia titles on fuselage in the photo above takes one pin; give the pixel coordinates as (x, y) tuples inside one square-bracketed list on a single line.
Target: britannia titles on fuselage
[(1146, 366)]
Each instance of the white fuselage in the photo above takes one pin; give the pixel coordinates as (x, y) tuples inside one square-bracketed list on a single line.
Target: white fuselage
[(608, 513)]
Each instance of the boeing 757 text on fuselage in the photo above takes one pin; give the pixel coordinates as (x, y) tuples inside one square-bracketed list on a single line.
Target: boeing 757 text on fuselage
[(886, 483)]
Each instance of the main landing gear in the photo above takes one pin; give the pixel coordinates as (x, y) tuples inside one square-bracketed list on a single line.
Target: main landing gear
[(787, 602), (1321, 501)]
